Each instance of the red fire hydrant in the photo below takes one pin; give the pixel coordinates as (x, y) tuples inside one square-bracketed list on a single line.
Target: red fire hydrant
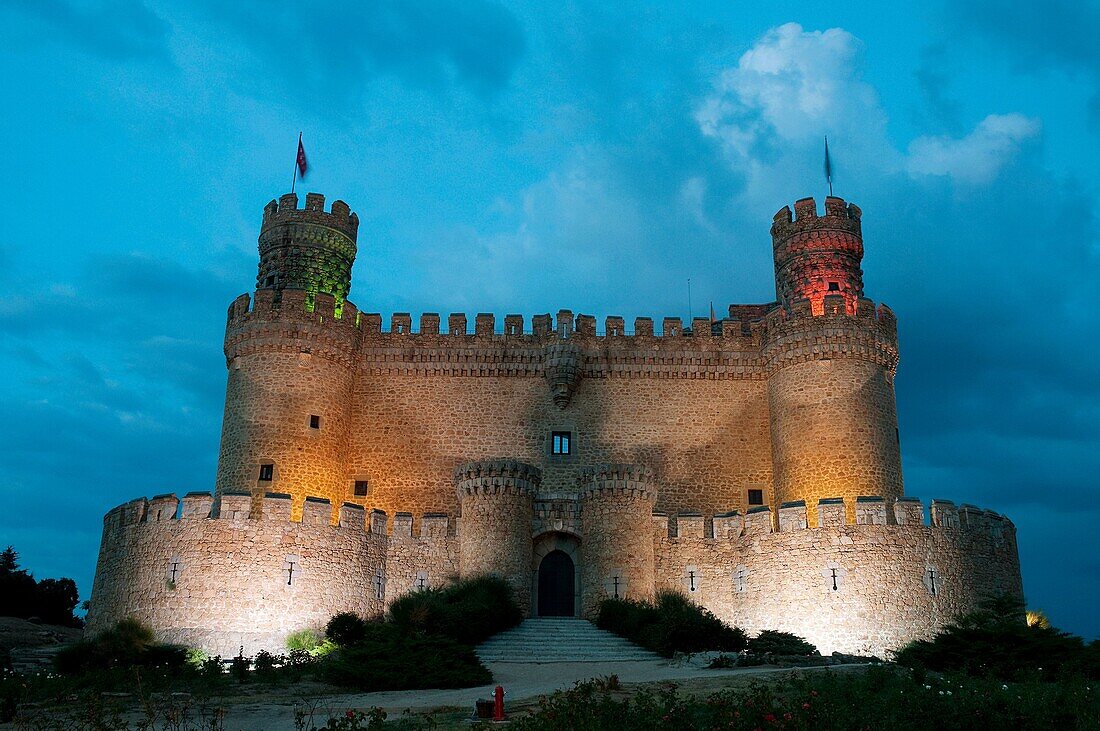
[(498, 703)]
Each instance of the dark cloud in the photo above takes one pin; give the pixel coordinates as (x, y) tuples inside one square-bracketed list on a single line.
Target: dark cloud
[(329, 52), (1060, 34), (115, 30)]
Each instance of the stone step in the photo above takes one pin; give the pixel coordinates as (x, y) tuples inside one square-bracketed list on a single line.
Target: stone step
[(560, 640)]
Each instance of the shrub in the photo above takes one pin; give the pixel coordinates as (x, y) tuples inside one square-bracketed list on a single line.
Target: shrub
[(265, 665), (773, 642), (346, 628), (996, 641), (304, 640), (469, 611), (669, 625), (128, 644), (389, 658)]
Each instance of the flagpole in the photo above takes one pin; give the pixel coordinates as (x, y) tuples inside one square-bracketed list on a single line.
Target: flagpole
[(828, 167), (294, 178)]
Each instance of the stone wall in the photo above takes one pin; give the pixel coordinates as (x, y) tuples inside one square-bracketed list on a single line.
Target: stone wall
[(758, 579), (234, 581)]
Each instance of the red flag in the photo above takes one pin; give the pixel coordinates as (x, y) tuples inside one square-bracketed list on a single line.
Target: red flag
[(303, 165)]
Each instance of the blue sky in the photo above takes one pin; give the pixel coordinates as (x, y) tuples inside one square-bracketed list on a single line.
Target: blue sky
[(525, 157)]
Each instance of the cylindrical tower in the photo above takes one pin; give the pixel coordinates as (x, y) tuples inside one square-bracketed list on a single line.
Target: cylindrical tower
[(494, 536), (291, 358), (816, 255), (831, 361), (617, 533), (310, 249)]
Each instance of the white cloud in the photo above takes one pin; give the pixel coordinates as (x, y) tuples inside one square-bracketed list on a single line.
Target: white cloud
[(793, 86), (976, 158), (786, 93)]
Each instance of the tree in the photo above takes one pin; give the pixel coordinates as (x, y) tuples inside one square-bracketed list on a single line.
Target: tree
[(17, 587), (51, 600)]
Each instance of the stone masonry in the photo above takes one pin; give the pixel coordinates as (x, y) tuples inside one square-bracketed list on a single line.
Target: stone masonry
[(751, 462)]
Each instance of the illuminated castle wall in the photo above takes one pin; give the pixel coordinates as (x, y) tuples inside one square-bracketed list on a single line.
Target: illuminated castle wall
[(751, 462)]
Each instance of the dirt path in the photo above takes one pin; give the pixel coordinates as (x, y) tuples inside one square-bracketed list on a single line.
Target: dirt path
[(523, 683)]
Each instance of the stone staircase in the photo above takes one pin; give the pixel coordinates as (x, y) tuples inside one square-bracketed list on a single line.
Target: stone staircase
[(560, 639)]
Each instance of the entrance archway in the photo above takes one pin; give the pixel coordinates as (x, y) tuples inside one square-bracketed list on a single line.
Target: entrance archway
[(557, 585)]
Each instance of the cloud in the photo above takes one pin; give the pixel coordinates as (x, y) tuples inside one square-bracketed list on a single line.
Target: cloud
[(791, 86), (772, 109), (115, 29), (976, 158), (330, 52), (1057, 34)]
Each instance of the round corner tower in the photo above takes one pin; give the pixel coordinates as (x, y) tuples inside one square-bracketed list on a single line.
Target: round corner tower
[(831, 361), (817, 256), (290, 353)]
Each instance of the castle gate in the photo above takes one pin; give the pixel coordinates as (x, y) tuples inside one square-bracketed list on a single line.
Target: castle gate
[(556, 581)]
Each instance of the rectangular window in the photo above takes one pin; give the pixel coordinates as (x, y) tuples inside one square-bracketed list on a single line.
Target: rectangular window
[(361, 488), (267, 472), (756, 497), (834, 286), (560, 442), (314, 421)]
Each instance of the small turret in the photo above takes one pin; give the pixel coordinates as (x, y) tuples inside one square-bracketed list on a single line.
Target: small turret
[(307, 249), (817, 256)]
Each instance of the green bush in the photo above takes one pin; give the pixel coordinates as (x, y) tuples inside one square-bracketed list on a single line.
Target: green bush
[(304, 640), (346, 628), (773, 642), (128, 644), (469, 611), (389, 658), (996, 641), (671, 624)]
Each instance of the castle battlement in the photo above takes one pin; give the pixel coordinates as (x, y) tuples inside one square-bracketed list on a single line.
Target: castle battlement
[(285, 211), (633, 480), (837, 331), (840, 216), (904, 514), (496, 477), (275, 508)]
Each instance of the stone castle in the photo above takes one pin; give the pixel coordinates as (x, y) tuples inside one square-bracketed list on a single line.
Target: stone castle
[(751, 463)]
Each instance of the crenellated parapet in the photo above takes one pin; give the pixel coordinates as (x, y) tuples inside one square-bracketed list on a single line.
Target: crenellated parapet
[(307, 249), (295, 323), (863, 332), (866, 588), (221, 573), (496, 477), (635, 480), (905, 513)]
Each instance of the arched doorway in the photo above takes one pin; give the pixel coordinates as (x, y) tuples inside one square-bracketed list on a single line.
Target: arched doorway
[(557, 585)]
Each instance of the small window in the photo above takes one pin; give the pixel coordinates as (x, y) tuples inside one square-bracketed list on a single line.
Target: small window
[(561, 442), (267, 472), (314, 421), (834, 286), (361, 488), (270, 281), (756, 497)]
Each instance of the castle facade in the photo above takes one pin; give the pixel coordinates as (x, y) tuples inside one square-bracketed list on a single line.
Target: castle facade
[(752, 462)]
